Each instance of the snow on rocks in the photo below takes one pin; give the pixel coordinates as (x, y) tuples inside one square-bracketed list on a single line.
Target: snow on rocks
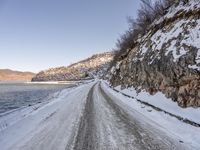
[(167, 58), (191, 37)]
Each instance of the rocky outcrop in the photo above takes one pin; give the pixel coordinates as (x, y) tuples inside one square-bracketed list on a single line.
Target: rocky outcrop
[(167, 58), (88, 68), (10, 75)]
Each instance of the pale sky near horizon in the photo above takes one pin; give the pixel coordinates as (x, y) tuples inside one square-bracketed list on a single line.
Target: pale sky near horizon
[(39, 34)]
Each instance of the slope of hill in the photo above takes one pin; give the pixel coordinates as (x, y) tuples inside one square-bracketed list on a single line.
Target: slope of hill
[(166, 58), (88, 68), (10, 75)]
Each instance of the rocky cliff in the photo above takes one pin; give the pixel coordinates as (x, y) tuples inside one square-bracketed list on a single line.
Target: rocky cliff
[(10, 75), (166, 58), (88, 68)]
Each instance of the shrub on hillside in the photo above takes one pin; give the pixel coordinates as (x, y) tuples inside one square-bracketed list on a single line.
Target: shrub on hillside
[(147, 14)]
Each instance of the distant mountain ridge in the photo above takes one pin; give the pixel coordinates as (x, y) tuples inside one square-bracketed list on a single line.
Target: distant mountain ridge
[(95, 65), (11, 75)]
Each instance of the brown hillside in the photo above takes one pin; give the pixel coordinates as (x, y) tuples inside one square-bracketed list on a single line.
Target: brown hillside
[(10, 75)]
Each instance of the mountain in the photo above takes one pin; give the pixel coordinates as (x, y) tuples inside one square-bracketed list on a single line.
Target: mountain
[(88, 68), (10, 75), (166, 58)]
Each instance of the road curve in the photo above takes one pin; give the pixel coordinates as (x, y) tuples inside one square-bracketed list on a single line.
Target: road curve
[(105, 125), (87, 118)]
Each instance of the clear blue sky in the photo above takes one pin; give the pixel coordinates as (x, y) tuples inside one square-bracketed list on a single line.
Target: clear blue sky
[(38, 34)]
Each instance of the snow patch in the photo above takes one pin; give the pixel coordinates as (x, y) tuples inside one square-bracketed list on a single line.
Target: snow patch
[(159, 100), (184, 132)]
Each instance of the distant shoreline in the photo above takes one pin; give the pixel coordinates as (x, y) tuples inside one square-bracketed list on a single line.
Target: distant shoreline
[(52, 82), (43, 82)]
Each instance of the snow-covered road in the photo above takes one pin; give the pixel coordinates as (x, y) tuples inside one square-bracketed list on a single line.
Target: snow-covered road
[(87, 118)]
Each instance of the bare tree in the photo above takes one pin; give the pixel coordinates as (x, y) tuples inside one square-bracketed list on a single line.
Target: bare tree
[(148, 3), (147, 13)]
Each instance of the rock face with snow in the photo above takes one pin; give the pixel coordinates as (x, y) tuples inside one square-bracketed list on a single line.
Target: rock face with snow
[(88, 68), (167, 58)]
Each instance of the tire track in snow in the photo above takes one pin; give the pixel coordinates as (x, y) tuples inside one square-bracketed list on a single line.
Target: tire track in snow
[(146, 137), (86, 136), (103, 119)]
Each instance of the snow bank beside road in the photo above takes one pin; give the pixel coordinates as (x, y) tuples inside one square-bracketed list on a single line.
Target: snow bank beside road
[(11, 117), (159, 100), (184, 132), (50, 125)]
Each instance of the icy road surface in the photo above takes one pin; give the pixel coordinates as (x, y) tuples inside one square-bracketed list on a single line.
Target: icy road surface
[(85, 118)]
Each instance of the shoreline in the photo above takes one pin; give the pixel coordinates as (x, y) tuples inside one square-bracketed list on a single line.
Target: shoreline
[(53, 82)]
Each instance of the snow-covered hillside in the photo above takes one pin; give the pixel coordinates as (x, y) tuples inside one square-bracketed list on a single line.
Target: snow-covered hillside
[(88, 68), (167, 57)]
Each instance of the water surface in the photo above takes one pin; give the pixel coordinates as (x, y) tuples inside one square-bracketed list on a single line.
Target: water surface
[(16, 95)]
